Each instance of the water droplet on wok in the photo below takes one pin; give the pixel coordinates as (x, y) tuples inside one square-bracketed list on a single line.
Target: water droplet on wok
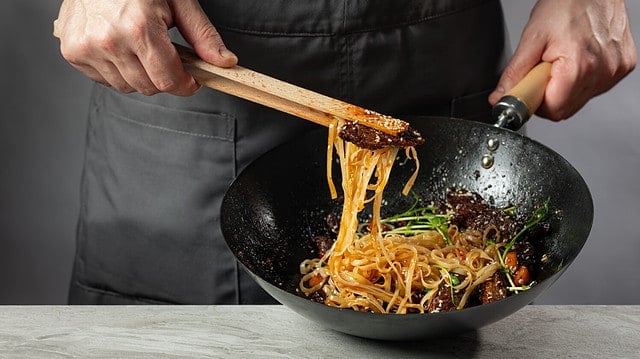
[(487, 161), (492, 144)]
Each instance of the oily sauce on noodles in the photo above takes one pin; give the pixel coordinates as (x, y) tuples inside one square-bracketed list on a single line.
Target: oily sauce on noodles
[(469, 217), (429, 258)]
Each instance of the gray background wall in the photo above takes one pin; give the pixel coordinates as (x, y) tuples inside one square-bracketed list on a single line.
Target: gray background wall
[(42, 123)]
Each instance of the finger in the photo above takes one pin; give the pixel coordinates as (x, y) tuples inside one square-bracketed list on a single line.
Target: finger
[(120, 67), (91, 73), (568, 90), (113, 77), (106, 74), (134, 73), (527, 55), (162, 64), (195, 27), (101, 60), (91, 61), (88, 71)]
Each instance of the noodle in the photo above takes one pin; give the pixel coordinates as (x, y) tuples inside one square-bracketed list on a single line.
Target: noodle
[(381, 271)]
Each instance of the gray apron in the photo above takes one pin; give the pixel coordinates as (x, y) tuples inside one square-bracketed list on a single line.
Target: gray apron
[(156, 168)]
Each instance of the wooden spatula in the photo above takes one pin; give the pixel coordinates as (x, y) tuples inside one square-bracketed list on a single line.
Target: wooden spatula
[(284, 96)]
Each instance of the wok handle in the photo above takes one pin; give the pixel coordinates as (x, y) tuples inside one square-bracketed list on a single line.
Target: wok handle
[(522, 101)]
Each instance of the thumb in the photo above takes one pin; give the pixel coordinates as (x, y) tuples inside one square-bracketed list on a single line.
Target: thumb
[(195, 27), (527, 55)]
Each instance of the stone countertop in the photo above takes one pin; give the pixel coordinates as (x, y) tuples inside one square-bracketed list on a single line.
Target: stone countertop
[(536, 331)]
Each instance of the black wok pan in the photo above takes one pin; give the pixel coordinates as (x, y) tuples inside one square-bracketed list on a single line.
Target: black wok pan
[(277, 204)]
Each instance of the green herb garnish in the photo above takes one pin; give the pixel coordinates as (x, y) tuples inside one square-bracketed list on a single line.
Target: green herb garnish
[(510, 211), (540, 214), (453, 280), (418, 220)]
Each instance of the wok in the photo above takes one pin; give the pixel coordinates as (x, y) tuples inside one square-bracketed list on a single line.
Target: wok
[(279, 202)]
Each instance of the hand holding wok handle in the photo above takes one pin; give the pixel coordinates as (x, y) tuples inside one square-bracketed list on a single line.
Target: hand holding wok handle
[(522, 101)]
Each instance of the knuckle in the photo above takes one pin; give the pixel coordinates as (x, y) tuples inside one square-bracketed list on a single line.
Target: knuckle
[(569, 108), (137, 29), (148, 91), (75, 51), (556, 115), (105, 41), (166, 85), (186, 91), (209, 32), (630, 60), (509, 73), (556, 110), (559, 116), (613, 70), (590, 63), (70, 53), (107, 38), (127, 89), (124, 88)]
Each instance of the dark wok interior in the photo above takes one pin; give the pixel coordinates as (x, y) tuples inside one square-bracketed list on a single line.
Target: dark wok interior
[(279, 202)]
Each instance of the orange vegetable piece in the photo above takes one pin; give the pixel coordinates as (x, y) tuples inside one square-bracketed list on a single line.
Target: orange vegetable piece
[(315, 280), (511, 260), (522, 276)]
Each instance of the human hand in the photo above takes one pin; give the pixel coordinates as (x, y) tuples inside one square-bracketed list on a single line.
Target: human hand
[(126, 44), (590, 47)]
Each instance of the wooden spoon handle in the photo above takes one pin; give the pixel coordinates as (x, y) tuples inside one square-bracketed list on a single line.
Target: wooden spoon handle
[(268, 91)]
